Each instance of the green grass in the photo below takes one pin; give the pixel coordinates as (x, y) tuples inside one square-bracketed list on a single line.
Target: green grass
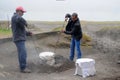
[(5, 31)]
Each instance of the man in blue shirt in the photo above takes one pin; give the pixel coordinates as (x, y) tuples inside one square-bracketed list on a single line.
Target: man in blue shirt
[(19, 37)]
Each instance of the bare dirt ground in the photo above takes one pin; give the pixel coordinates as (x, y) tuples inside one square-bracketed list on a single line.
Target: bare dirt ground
[(106, 66)]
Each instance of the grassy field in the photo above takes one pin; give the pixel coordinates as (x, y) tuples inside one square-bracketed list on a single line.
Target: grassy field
[(47, 22), (100, 22), (4, 32), (110, 28), (82, 22)]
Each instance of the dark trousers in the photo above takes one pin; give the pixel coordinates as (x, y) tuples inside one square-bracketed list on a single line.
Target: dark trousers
[(75, 44), (22, 55)]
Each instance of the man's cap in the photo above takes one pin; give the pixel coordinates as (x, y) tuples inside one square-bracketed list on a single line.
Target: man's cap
[(75, 14), (20, 8)]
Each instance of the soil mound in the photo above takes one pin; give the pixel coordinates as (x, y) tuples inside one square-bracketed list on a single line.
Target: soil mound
[(109, 32)]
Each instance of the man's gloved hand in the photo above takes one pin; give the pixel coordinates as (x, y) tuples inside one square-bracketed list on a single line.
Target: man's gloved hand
[(63, 31), (29, 33)]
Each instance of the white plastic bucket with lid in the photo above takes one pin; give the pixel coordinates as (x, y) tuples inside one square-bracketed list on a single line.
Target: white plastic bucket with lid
[(47, 58), (85, 67)]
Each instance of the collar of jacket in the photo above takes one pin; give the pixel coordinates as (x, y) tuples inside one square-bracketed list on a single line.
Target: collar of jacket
[(76, 20)]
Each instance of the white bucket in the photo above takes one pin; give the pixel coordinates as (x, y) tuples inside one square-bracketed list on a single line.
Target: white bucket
[(47, 58), (85, 67)]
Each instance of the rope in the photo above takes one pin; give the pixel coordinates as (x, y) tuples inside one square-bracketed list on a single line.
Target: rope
[(34, 56), (33, 41), (59, 35), (58, 39)]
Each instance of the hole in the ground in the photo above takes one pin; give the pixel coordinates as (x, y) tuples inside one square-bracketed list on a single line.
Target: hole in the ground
[(61, 64)]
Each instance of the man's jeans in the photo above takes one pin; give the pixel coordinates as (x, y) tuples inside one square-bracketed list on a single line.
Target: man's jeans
[(22, 55), (75, 44)]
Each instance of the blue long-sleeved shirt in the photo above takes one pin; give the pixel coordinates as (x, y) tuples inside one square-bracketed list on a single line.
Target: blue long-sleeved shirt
[(18, 27)]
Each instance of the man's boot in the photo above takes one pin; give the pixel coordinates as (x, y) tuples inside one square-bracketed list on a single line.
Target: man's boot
[(118, 62), (26, 70)]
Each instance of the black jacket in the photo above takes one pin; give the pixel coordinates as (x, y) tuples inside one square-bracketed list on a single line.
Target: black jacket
[(76, 30), (68, 26), (18, 28)]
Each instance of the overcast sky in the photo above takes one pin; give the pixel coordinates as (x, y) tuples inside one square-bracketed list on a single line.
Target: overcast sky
[(52, 10)]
